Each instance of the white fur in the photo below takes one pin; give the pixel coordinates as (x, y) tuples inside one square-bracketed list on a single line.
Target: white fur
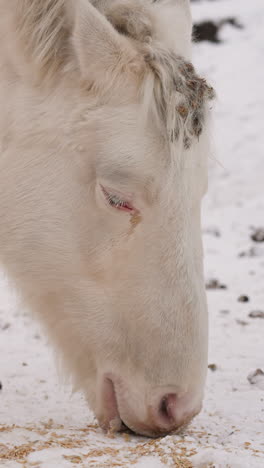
[(116, 296)]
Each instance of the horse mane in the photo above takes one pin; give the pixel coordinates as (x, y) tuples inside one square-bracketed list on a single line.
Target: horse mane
[(170, 85)]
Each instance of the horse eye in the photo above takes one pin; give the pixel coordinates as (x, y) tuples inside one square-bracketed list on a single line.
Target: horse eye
[(116, 201)]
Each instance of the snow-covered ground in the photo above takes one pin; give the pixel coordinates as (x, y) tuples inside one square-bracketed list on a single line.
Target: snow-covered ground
[(43, 426)]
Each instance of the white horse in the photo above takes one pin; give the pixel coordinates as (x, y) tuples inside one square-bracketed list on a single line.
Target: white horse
[(103, 165)]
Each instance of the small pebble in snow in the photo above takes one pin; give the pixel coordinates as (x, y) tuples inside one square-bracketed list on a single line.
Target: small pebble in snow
[(241, 322), (212, 367), (1, 386), (213, 231), (256, 314), (214, 284), (243, 298), (254, 377), (248, 253), (258, 235)]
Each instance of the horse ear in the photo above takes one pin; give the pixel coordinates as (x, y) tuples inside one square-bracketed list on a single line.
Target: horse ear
[(100, 49)]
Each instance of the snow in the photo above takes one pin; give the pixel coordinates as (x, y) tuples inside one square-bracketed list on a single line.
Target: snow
[(55, 429)]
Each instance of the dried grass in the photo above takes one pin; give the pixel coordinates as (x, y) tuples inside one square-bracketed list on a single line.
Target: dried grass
[(125, 455)]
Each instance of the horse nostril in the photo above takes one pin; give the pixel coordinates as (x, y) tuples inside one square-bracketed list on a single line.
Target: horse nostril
[(167, 407)]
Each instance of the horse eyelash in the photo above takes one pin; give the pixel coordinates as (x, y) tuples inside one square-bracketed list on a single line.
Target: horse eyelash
[(114, 200)]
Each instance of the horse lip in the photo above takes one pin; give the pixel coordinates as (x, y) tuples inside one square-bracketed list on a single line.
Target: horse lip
[(109, 418)]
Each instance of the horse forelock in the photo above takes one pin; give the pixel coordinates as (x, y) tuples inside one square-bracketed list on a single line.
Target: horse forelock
[(177, 95)]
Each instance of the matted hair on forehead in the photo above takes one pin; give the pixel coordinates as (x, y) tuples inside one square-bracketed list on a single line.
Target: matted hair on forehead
[(179, 94)]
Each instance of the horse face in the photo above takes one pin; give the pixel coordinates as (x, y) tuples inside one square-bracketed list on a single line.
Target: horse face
[(144, 293)]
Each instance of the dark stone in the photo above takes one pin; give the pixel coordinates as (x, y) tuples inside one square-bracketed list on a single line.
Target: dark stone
[(206, 31), (215, 284), (256, 314), (243, 298), (212, 367), (258, 235), (209, 30), (254, 376)]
